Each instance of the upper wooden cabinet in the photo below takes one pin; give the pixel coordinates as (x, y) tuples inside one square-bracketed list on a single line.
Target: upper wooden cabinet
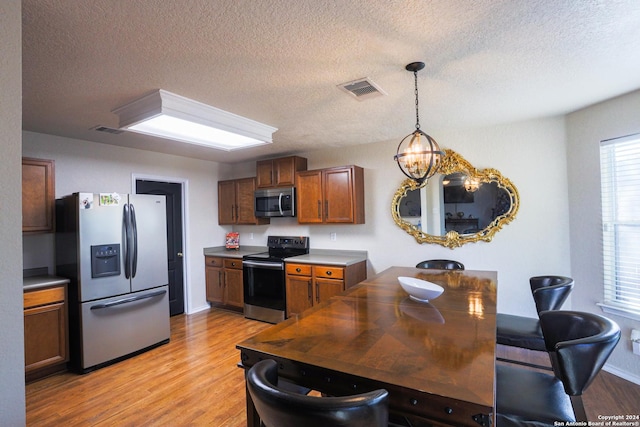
[(279, 172), (38, 195), (235, 202), (334, 195)]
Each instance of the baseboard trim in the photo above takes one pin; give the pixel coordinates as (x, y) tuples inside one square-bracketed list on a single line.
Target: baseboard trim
[(199, 309), (622, 374)]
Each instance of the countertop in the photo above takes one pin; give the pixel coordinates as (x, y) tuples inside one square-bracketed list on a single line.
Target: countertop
[(221, 251), (315, 256), (330, 257), (44, 281)]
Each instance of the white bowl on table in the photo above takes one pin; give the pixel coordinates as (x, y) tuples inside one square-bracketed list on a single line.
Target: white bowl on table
[(420, 290)]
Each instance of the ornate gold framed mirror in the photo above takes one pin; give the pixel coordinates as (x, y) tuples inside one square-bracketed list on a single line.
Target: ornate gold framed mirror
[(459, 205)]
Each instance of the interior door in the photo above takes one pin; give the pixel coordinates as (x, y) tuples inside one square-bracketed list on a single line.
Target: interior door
[(175, 265)]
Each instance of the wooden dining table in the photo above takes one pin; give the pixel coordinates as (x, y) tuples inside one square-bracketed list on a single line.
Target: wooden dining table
[(436, 359)]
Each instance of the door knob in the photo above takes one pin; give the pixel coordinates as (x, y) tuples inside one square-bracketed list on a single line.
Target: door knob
[(179, 254)]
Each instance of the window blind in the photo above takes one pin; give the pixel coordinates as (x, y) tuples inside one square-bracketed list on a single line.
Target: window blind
[(620, 180)]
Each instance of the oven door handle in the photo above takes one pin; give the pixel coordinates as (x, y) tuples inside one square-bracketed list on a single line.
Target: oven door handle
[(264, 264)]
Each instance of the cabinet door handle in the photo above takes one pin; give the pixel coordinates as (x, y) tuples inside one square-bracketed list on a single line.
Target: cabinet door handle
[(310, 292), (326, 208), (319, 209), (317, 293)]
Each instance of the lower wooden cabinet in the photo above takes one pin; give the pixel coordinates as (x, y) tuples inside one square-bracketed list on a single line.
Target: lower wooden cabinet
[(224, 281), (308, 285), (46, 348)]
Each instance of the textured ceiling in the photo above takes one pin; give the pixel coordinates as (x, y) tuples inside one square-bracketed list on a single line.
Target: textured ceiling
[(280, 61)]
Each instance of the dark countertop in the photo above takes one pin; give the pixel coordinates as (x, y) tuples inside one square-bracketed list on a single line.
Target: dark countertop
[(44, 281), (330, 257), (221, 251), (315, 256)]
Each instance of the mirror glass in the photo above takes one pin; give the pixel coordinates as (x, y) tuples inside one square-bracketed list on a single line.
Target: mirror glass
[(457, 206)]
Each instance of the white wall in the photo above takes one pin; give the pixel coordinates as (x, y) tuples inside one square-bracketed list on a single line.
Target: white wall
[(518, 150), (585, 129), (532, 154), (93, 167), (12, 398)]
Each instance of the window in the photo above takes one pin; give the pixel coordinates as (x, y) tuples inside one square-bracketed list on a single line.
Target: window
[(620, 176)]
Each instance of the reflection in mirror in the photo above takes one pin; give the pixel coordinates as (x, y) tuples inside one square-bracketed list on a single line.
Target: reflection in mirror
[(460, 205)]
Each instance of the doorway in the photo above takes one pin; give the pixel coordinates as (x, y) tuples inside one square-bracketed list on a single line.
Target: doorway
[(175, 258)]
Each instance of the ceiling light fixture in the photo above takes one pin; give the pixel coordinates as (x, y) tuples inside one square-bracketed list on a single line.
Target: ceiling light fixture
[(417, 161), (167, 115)]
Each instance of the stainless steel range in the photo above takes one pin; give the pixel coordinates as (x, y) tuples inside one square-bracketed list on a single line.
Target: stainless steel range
[(264, 278)]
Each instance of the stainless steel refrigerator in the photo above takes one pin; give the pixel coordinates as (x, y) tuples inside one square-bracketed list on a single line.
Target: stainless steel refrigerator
[(113, 248)]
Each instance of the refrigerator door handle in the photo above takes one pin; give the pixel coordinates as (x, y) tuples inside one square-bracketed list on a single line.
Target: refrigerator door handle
[(134, 231), (127, 300), (127, 235)]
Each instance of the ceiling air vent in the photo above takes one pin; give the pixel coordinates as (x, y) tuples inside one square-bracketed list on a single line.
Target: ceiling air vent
[(107, 130), (362, 89)]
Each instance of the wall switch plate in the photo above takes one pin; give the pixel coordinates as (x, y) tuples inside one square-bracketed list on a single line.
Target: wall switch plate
[(250, 236), (333, 236)]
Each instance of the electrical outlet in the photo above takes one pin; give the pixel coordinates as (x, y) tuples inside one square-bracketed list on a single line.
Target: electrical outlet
[(333, 236), (250, 236), (635, 341)]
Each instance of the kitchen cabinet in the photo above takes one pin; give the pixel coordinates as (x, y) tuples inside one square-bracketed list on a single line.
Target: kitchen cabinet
[(331, 196), (46, 348), (279, 172), (214, 280), (224, 282), (308, 285), (235, 202), (38, 195), (233, 286)]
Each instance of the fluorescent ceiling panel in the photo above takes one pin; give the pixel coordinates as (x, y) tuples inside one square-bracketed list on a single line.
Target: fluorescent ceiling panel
[(167, 115)]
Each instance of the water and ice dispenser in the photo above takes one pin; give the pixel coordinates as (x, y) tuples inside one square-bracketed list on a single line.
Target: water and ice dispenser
[(105, 260)]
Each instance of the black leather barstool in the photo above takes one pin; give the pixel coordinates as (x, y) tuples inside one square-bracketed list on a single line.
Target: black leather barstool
[(280, 408), (549, 293), (441, 264), (579, 344)]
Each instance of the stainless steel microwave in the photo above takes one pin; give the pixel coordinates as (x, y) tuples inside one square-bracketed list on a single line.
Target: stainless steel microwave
[(274, 202)]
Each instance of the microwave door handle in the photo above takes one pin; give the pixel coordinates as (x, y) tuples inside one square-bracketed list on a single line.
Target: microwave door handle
[(280, 204)]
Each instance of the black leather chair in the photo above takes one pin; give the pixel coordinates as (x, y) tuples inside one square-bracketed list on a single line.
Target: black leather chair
[(280, 408), (441, 264), (579, 344), (549, 293)]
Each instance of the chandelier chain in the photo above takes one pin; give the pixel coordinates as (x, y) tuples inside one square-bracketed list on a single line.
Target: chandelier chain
[(415, 78)]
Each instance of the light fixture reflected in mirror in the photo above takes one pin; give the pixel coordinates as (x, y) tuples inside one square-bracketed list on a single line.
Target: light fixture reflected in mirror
[(418, 155), (471, 184)]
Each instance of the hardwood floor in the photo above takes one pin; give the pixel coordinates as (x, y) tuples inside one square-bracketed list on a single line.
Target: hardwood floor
[(194, 380)]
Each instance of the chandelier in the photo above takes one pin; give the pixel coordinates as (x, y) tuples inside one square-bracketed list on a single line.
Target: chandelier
[(418, 154)]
